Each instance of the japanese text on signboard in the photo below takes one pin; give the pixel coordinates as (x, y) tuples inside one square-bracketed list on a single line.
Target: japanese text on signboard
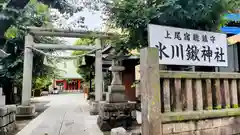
[(188, 47)]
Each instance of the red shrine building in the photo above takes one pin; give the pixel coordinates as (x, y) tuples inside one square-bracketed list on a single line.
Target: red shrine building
[(71, 84), (68, 79)]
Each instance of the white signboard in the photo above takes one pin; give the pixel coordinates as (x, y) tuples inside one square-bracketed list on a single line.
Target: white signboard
[(179, 46)]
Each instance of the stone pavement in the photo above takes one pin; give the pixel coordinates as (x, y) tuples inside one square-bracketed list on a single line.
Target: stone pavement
[(68, 114)]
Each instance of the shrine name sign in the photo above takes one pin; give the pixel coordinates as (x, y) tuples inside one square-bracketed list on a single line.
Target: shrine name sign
[(178, 46)]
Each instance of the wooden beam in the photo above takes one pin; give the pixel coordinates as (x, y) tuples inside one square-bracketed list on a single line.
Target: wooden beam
[(199, 94), (178, 95), (166, 95), (188, 92), (199, 115), (199, 75), (64, 47), (70, 33), (208, 94)]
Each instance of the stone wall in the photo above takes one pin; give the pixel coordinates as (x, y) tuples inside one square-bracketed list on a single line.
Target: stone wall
[(8, 119), (221, 126)]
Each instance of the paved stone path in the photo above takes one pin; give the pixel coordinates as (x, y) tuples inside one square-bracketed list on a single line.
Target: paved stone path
[(68, 114)]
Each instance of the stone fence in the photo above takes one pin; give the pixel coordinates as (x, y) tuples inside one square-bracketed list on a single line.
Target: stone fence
[(7, 119), (187, 103), (200, 103)]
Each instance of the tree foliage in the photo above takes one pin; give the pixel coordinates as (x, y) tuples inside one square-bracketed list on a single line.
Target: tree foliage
[(34, 14), (12, 9), (133, 16), (15, 17), (86, 71)]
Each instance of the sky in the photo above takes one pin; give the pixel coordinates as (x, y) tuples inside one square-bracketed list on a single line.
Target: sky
[(92, 20)]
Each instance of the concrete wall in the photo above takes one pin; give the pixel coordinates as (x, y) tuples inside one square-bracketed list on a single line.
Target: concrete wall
[(221, 126), (8, 119)]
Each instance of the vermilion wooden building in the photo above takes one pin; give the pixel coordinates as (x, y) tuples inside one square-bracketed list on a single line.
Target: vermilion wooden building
[(68, 84), (69, 79)]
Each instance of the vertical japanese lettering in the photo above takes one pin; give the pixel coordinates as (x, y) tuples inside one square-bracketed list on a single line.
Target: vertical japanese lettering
[(212, 38), (192, 53), (177, 51), (167, 34), (219, 54), (196, 37), (161, 49), (177, 36), (204, 38), (187, 36), (206, 53)]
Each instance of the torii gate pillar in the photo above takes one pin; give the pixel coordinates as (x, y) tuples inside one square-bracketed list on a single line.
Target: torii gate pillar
[(98, 72), (98, 79), (27, 71), (26, 110)]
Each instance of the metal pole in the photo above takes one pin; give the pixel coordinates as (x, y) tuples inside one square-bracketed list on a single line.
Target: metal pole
[(27, 71)]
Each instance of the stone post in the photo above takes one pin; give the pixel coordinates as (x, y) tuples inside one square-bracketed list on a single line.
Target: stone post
[(98, 79), (26, 110), (150, 92), (27, 71), (98, 72)]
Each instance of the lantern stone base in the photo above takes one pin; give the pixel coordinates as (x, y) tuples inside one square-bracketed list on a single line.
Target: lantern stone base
[(116, 94), (116, 97), (112, 115), (26, 111), (94, 108)]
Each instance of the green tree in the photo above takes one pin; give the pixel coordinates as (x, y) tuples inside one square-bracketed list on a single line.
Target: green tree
[(133, 16), (16, 15), (10, 9), (87, 70), (83, 41), (35, 14)]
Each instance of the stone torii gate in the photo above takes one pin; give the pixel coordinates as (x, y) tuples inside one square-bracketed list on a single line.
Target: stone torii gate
[(25, 109)]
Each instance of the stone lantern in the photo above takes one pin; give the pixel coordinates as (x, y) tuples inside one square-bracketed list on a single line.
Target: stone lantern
[(116, 111)]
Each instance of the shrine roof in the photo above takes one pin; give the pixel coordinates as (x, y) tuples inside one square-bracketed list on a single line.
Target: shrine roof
[(234, 39)]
